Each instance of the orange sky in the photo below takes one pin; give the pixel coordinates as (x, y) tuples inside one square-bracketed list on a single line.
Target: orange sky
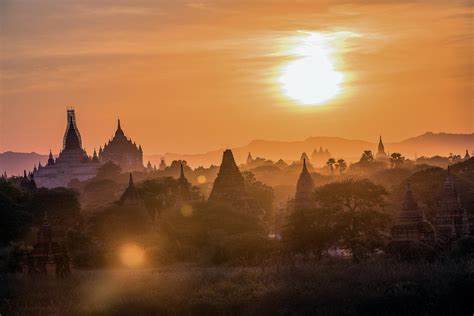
[(192, 76)]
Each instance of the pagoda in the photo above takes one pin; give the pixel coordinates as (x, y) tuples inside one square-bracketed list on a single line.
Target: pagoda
[(72, 162), (411, 224), (381, 150), (123, 152), (304, 190), (451, 220), (229, 186)]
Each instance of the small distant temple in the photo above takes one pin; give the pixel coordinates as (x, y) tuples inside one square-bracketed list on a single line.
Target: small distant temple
[(184, 187), (162, 164), (411, 224), (229, 186), (249, 158), (381, 150), (47, 253), (319, 157), (131, 197), (451, 221), (304, 190), (72, 163), (467, 156), (122, 151)]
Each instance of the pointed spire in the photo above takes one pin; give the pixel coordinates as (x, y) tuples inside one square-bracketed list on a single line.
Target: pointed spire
[(130, 181), (118, 124), (181, 175), (304, 165), (24, 174)]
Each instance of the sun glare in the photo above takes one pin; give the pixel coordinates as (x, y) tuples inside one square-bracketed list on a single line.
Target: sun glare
[(311, 79), (132, 255)]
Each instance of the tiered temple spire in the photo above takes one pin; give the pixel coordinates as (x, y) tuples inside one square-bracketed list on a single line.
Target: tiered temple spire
[(304, 189)]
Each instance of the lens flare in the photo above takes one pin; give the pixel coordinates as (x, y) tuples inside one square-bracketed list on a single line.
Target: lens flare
[(132, 255), (201, 179), (186, 210)]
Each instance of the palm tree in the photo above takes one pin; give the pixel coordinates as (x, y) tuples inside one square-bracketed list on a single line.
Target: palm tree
[(367, 156), (396, 159), (341, 165), (330, 163)]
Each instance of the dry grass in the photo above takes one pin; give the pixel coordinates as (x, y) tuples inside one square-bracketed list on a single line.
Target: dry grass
[(329, 287)]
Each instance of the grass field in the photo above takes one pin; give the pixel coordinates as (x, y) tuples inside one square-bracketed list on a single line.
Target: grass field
[(325, 288)]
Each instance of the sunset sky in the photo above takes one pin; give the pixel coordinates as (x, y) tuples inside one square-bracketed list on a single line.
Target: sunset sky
[(193, 76)]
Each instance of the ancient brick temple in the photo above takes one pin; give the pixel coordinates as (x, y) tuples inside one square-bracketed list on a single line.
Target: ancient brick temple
[(47, 252), (229, 186), (122, 151), (304, 190), (451, 220), (411, 224)]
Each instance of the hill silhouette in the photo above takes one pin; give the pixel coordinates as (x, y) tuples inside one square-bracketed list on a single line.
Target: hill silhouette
[(427, 144)]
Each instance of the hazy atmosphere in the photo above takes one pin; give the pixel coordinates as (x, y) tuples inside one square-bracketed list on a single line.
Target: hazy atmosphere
[(195, 76)]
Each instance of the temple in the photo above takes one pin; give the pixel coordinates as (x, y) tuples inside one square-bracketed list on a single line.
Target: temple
[(411, 224), (184, 187), (467, 156), (131, 197), (229, 186), (47, 253), (381, 150), (319, 157), (72, 163), (451, 220), (123, 152), (304, 190)]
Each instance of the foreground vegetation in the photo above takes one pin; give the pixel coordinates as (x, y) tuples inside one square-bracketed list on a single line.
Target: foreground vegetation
[(331, 286)]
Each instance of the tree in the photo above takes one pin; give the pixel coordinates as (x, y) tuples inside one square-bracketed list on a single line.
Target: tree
[(310, 231), (356, 205), (367, 157), (341, 165), (396, 160), (330, 163), (262, 194)]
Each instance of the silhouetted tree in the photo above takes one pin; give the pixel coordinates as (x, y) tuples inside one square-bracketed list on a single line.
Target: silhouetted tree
[(367, 156), (356, 205), (341, 165), (331, 162), (396, 159)]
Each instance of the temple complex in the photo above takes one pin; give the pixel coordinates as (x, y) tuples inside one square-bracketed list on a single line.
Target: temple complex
[(411, 224), (451, 220), (72, 163), (229, 186), (319, 157), (123, 152), (249, 158), (304, 190)]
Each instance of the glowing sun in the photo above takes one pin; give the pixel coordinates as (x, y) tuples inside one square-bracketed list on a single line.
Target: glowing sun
[(311, 79)]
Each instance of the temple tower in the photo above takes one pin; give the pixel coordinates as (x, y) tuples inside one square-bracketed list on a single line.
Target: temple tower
[(304, 190), (411, 224), (381, 149), (229, 187), (131, 197), (451, 219)]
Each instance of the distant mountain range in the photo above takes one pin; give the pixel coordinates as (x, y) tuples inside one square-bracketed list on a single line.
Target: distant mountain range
[(428, 144)]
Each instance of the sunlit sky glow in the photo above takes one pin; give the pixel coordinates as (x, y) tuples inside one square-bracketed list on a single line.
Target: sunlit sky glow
[(188, 77)]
